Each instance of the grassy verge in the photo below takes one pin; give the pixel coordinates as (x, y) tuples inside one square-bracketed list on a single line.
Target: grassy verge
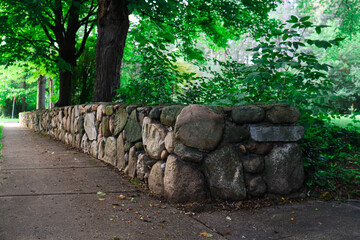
[(348, 122), (9, 120), (331, 154)]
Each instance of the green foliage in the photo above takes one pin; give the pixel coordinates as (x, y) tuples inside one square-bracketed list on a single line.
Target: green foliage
[(49, 34), (282, 70), (345, 74), (343, 19), (18, 81), (331, 157), (149, 75), (84, 74), (169, 31)]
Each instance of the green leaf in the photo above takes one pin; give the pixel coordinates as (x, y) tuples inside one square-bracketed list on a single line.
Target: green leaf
[(303, 19), (293, 19), (318, 30), (322, 44), (256, 55)]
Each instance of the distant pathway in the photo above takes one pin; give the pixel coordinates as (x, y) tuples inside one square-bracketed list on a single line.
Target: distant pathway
[(49, 192)]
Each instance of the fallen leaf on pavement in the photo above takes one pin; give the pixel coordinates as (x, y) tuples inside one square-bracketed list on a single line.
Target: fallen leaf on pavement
[(121, 196), (205, 234)]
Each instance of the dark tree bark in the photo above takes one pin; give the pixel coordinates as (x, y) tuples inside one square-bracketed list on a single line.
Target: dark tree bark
[(67, 49), (113, 26), (23, 100), (65, 30)]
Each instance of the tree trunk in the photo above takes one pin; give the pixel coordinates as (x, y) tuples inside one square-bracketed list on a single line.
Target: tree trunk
[(113, 26), (41, 85), (50, 87), (65, 89), (23, 105)]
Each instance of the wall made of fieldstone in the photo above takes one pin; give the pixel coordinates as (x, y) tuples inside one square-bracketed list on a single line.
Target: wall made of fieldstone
[(187, 153)]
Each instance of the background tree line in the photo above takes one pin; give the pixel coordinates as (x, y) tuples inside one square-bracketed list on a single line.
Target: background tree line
[(175, 51)]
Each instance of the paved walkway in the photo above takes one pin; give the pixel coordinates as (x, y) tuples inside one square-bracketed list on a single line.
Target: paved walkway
[(50, 192)]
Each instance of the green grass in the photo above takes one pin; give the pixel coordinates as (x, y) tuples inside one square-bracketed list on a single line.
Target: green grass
[(347, 122), (9, 120)]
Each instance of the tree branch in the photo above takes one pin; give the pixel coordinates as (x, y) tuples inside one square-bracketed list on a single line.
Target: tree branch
[(83, 42)]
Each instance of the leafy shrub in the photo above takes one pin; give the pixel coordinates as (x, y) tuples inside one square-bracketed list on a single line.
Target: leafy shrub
[(331, 158)]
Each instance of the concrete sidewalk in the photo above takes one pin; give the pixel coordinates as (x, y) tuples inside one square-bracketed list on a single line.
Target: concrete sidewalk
[(50, 192)]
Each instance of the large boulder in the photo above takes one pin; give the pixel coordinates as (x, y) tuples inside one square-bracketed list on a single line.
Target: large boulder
[(182, 182), (168, 114), (76, 111), (187, 153), (253, 163), (247, 114), (131, 167), (199, 127), (78, 140), (109, 110), (142, 166), (110, 151), (80, 124), (94, 149), (101, 150), (259, 148), (169, 142), (153, 136), (283, 114), (155, 113), (105, 129), (85, 144), (112, 125), (133, 128), (234, 133), (284, 170), (256, 185), (120, 153), (224, 173), (100, 112), (89, 126), (276, 133), (156, 178), (120, 120)]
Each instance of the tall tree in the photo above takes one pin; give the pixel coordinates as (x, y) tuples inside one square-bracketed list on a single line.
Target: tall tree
[(113, 25), (178, 21), (52, 30)]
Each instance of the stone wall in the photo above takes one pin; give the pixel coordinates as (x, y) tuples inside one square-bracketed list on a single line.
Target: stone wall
[(187, 153)]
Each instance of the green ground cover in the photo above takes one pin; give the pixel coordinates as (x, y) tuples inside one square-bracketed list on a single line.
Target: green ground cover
[(331, 153), (347, 122), (9, 120)]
